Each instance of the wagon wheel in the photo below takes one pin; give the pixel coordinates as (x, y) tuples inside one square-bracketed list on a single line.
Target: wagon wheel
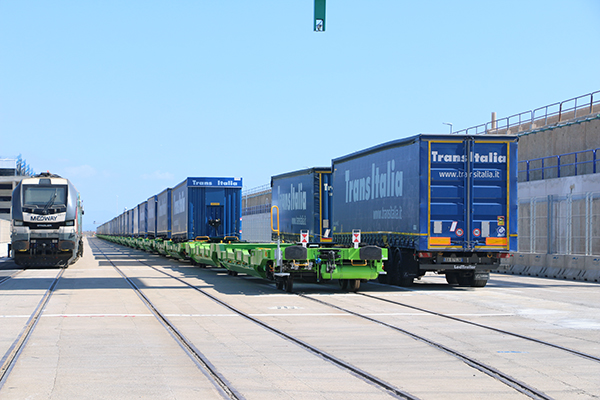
[(353, 285), (343, 284), (289, 284)]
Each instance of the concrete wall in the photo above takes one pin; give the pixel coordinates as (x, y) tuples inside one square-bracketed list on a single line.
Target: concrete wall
[(575, 135), (550, 260), (574, 185), (560, 266)]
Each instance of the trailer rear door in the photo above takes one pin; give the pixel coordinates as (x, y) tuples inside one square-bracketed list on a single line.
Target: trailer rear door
[(468, 194)]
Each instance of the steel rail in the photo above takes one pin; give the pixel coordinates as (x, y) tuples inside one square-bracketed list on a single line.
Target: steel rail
[(568, 350), (367, 377), (8, 277), (480, 366), (204, 365), (11, 356)]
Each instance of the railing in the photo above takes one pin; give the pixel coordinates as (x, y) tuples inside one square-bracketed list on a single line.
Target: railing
[(529, 120), (256, 190), (568, 164), (260, 209)]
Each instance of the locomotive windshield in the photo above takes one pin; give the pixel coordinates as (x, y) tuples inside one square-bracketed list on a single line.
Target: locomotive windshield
[(45, 196)]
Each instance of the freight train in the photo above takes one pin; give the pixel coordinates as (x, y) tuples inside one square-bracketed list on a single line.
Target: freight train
[(440, 203), (428, 203), (200, 220), (46, 222)]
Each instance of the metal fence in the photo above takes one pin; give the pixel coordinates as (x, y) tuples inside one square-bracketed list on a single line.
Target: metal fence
[(568, 164), (550, 114), (560, 224)]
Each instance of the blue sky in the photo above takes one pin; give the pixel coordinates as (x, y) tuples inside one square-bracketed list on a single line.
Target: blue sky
[(126, 98)]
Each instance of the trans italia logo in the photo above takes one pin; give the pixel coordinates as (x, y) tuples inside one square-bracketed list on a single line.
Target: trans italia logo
[(294, 200), (382, 183), (491, 157)]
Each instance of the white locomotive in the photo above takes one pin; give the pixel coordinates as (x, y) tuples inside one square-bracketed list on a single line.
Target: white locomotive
[(46, 222)]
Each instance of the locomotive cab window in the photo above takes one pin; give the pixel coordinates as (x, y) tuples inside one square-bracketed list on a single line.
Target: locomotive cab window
[(43, 196)]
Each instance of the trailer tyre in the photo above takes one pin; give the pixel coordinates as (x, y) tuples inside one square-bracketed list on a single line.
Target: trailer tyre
[(452, 278), (479, 282), (465, 279), (405, 278), (392, 267)]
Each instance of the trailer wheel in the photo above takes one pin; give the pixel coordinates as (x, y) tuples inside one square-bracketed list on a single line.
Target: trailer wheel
[(452, 278), (479, 282), (393, 268), (406, 280), (465, 279)]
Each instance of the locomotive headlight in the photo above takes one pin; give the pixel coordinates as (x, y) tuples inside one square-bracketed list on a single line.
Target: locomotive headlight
[(70, 223)]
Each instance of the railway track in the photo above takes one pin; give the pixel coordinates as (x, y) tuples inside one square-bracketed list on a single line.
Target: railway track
[(220, 382), (497, 374), (205, 364), (12, 354), (507, 379), (8, 277), (491, 328)]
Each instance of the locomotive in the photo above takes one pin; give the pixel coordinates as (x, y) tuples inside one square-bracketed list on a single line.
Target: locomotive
[(46, 222)]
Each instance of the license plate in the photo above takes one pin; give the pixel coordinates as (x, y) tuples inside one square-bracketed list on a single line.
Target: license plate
[(453, 259)]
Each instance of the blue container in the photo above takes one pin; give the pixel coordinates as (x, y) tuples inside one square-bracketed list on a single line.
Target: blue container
[(430, 193), (163, 215), (130, 222), (136, 221), (142, 210), (151, 216), (206, 207), (304, 202)]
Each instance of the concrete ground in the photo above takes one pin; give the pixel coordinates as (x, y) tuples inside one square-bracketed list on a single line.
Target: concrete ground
[(97, 340)]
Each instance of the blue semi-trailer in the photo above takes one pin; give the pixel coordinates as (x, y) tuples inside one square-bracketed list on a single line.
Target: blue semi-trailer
[(163, 214), (442, 203), (151, 216), (206, 207), (304, 203)]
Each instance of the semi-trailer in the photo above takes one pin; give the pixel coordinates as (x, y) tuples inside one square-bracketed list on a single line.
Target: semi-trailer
[(304, 203), (441, 203), (206, 207), (163, 216), (151, 215)]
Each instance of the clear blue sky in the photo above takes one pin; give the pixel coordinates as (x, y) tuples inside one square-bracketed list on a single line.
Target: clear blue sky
[(126, 98)]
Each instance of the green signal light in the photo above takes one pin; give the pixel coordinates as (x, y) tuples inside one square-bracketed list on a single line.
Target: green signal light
[(319, 20)]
